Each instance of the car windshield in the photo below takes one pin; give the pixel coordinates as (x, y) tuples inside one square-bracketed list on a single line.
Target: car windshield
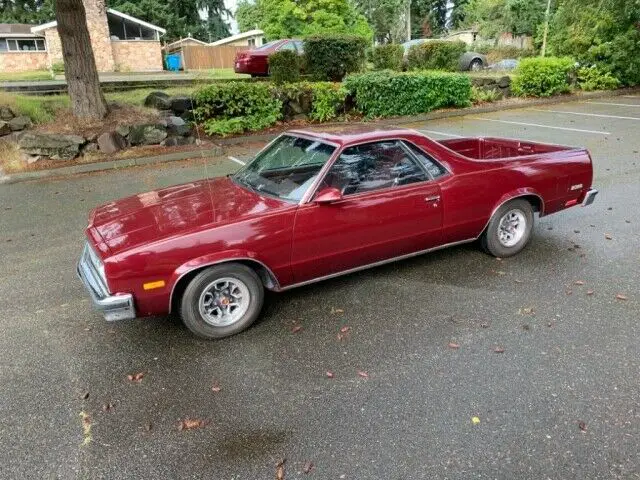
[(286, 168)]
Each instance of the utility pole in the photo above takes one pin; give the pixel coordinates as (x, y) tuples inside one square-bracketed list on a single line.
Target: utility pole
[(408, 20), (546, 28)]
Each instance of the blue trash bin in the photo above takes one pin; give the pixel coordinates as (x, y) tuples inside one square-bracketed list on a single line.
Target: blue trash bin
[(173, 62)]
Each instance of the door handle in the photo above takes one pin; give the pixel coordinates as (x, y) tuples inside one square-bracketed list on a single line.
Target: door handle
[(432, 198)]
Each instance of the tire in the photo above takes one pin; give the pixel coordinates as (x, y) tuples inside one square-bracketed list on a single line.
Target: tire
[(516, 219), (475, 65), (207, 306)]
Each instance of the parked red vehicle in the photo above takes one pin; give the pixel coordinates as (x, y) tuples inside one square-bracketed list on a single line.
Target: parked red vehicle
[(314, 205), (256, 62)]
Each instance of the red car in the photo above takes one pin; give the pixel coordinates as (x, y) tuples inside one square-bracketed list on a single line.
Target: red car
[(256, 62), (312, 206)]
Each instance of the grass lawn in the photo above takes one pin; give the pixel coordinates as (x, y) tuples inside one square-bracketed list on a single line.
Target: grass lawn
[(218, 74), (25, 76)]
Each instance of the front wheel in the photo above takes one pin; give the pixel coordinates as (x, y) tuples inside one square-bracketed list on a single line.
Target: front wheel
[(509, 229), (222, 300)]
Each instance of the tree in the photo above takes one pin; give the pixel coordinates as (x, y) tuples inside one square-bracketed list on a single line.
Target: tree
[(216, 27), (25, 11), (289, 18), (520, 17), (457, 15), (428, 17), (386, 17), (87, 100)]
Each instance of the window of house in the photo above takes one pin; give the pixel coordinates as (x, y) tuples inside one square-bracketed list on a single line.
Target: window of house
[(251, 42), (3, 45), (22, 45)]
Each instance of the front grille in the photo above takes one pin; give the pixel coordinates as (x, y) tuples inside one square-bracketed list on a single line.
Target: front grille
[(90, 267)]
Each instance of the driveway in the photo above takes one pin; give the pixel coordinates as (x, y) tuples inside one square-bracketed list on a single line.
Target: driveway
[(540, 380)]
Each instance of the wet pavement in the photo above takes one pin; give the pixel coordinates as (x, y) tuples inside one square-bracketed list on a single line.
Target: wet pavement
[(561, 400)]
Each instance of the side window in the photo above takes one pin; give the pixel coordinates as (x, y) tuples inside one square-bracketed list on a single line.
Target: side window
[(287, 46), (434, 168), (299, 45), (373, 166)]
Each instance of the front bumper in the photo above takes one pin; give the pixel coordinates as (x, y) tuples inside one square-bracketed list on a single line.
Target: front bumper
[(589, 197), (113, 307)]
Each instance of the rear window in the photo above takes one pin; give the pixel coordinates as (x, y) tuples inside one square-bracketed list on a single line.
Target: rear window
[(434, 168), (266, 46)]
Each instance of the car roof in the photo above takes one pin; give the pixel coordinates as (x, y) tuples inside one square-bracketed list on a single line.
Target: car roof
[(345, 135)]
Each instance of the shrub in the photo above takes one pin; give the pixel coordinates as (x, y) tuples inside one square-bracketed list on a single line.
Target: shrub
[(234, 107), (380, 94), (331, 57), (387, 57), (481, 95), (284, 66), (321, 101), (436, 55), (57, 67), (543, 76), (595, 78)]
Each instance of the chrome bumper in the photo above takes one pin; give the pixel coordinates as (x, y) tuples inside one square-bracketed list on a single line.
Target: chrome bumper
[(112, 307), (589, 197)]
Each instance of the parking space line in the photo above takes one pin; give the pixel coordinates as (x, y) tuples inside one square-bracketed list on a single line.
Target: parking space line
[(442, 133), (237, 160), (540, 126), (615, 104), (585, 114), (631, 96)]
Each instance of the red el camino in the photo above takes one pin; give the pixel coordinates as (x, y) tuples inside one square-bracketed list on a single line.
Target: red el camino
[(312, 206)]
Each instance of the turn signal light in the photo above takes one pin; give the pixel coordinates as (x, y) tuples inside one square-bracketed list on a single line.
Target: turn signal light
[(153, 285)]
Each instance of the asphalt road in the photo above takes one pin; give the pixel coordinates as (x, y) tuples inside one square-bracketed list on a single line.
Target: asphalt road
[(560, 402)]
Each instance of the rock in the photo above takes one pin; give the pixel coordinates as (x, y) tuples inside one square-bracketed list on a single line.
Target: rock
[(5, 128), (182, 104), (52, 145), (159, 100), (30, 158), (305, 101), (147, 134), (177, 141), (300, 116), (19, 123), (504, 82), (90, 147), (296, 108), (111, 142), (187, 116), (123, 130), (176, 126), (6, 113)]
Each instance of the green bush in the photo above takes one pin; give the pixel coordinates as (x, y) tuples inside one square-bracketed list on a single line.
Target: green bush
[(543, 76), (436, 55), (595, 78), (619, 56), (480, 95), (235, 107), (324, 101), (385, 93), (57, 67), (284, 66), (331, 57), (387, 57)]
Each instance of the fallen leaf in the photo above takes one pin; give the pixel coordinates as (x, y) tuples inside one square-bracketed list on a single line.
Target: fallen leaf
[(526, 311), (307, 467), (518, 281), (627, 221), (578, 282), (85, 395), (453, 345), (620, 296), (136, 377), (549, 228), (345, 329), (107, 407), (148, 427), (576, 231), (590, 292), (191, 423), (526, 327), (216, 388), (484, 325), (568, 291), (329, 374), (498, 350), (296, 329), (363, 374), (336, 310), (280, 469), (475, 420), (498, 258), (582, 426), (608, 236)]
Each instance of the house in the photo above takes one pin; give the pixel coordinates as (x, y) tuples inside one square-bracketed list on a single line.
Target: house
[(120, 42), (466, 36), (183, 42), (251, 39)]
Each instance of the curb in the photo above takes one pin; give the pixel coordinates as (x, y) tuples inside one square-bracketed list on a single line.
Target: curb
[(108, 165)]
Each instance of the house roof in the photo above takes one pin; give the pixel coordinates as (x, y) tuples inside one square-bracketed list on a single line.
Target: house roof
[(53, 24), (239, 36), (183, 40), (16, 30)]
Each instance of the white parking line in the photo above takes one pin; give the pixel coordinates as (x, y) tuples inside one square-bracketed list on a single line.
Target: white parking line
[(615, 104), (540, 126), (442, 133), (631, 96), (585, 114), (237, 160)]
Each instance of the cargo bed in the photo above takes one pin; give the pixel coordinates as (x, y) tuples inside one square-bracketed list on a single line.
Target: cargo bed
[(486, 148)]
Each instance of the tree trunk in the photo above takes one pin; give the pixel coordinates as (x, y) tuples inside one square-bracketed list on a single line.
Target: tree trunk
[(80, 70)]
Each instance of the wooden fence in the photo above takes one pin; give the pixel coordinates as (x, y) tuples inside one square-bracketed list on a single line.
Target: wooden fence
[(201, 57)]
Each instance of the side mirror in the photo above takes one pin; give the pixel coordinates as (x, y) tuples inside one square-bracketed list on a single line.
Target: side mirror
[(328, 195)]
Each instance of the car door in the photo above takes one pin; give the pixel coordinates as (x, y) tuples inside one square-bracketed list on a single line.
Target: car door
[(390, 207)]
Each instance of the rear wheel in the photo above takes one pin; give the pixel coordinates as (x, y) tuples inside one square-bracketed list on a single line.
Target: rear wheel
[(509, 229), (222, 300)]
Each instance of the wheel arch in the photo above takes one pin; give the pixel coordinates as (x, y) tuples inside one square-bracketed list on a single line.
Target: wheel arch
[(530, 196), (185, 274)]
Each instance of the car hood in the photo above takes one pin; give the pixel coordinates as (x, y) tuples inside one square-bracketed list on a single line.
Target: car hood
[(159, 214)]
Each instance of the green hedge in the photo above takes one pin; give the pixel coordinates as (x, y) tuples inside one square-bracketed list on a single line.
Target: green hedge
[(234, 107), (284, 66), (436, 55), (595, 78), (382, 94), (331, 57), (543, 76), (387, 57)]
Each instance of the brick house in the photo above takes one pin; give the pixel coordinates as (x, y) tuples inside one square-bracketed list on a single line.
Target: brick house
[(120, 42)]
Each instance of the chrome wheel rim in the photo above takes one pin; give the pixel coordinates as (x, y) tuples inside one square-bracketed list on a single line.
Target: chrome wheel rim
[(224, 301), (512, 227)]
